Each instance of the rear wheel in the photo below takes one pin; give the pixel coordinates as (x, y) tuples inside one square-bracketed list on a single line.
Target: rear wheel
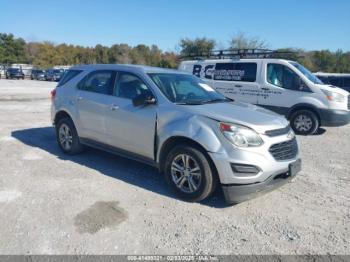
[(189, 173), (67, 137), (304, 122)]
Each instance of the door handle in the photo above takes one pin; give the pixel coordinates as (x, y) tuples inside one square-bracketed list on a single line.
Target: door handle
[(238, 86), (114, 107), (79, 98), (265, 88)]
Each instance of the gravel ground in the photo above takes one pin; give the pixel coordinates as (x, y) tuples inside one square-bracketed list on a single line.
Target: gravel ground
[(98, 203)]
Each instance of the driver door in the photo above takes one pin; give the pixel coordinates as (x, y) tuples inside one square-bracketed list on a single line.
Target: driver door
[(281, 88), (131, 128)]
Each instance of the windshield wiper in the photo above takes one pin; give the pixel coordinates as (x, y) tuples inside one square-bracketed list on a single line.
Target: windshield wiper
[(189, 103), (226, 99), (201, 102)]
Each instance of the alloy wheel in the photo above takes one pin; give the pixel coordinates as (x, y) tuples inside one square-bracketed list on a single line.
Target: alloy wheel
[(65, 137), (186, 173)]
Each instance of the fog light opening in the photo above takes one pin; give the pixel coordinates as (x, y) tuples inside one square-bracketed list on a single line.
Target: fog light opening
[(245, 170)]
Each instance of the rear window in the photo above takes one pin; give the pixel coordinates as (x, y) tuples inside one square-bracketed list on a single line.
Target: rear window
[(244, 72), (69, 75)]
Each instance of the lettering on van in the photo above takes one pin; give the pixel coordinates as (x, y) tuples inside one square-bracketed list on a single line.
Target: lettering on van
[(245, 72), (228, 75), (203, 71)]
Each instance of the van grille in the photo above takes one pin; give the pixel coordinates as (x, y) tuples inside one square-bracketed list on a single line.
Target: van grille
[(285, 150)]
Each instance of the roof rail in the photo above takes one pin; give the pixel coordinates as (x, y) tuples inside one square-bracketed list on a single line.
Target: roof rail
[(237, 54)]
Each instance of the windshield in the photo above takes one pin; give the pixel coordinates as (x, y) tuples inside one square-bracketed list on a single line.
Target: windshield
[(186, 89), (15, 70), (307, 73)]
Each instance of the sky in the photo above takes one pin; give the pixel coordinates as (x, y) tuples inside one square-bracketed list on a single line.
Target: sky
[(308, 24)]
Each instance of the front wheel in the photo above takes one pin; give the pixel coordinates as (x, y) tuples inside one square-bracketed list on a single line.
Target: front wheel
[(304, 122), (67, 137), (189, 173)]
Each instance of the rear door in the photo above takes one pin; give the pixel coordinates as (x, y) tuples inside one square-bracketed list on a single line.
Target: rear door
[(131, 128), (237, 80), (93, 100)]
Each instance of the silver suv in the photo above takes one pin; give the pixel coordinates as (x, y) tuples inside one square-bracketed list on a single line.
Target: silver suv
[(176, 122)]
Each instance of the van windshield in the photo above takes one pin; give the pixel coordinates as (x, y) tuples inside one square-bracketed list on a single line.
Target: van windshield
[(186, 89), (307, 73)]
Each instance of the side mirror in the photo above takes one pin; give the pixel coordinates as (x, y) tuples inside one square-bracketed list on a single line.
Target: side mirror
[(299, 84), (143, 100)]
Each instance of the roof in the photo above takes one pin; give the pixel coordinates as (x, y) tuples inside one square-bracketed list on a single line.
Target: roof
[(127, 67), (230, 60)]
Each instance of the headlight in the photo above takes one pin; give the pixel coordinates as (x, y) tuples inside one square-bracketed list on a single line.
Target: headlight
[(240, 136), (334, 97)]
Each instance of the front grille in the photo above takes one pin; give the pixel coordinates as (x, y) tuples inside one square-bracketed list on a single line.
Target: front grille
[(285, 150), (278, 132), (349, 102)]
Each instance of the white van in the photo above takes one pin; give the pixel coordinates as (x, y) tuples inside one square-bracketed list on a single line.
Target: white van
[(283, 86)]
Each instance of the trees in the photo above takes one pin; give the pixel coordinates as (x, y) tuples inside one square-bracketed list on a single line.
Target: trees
[(12, 50), (241, 41), (196, 46), (47, 54)]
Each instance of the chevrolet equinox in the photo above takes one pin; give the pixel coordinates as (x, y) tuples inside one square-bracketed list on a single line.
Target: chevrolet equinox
[(176, 122)]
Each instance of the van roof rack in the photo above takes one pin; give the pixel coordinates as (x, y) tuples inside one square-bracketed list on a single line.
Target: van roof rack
[(238, 53)]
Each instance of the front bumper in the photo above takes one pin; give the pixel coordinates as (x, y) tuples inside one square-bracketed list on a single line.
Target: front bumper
[(237, 193), (273, 171), (332, 117)]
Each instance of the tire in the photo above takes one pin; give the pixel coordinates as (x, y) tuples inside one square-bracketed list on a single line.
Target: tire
[(304, 122), (203, 182), (66, 131)]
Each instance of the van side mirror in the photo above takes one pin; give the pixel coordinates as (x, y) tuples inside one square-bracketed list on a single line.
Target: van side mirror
[(300, 85), (143, 100)]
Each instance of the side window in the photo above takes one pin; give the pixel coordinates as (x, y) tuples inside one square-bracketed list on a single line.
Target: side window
[(244, 72), (347, 83), (130, 86), (282, 76), (101, 82), (336, 81), (70, 74), (324, 79)]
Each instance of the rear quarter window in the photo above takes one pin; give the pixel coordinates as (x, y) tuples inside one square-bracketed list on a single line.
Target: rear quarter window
[(243, 72), (69, 75)]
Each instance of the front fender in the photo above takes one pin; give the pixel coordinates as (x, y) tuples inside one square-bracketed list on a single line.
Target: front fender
[(200, 129)]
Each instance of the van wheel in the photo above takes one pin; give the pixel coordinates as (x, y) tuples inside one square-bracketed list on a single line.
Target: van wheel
[(67, 137), (189, 173), (304, 122)]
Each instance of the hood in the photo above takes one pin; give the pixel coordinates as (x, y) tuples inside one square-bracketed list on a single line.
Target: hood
[(244, 114), (334, 89)]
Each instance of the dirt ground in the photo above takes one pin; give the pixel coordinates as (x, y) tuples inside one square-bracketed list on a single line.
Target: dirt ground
[(98, 203)]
